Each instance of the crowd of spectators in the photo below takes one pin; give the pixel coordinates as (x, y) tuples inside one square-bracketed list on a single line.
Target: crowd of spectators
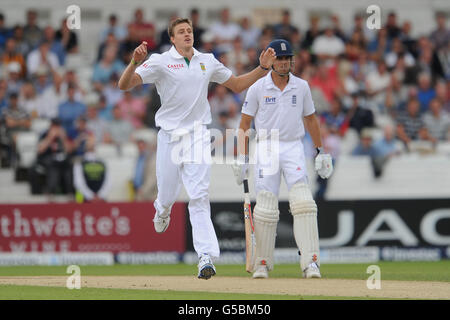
[(360, 79)]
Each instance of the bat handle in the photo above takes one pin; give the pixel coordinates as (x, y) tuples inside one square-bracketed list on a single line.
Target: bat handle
[(246, 186)]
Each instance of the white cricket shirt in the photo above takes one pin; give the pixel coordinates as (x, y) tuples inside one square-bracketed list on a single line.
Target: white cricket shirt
[(276, 109), (183, 88)]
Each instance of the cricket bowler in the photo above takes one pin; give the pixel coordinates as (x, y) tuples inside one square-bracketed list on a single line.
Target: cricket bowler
[(181, 76), (282, 102)]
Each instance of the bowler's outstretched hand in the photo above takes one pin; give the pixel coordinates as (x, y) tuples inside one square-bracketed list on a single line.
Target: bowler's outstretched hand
[(140, 53), (267, 57)]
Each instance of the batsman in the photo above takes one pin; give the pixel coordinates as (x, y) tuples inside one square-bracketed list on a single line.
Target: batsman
[(281, 103)]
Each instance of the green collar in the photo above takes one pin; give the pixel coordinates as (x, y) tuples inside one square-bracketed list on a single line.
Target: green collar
[(187, 61)]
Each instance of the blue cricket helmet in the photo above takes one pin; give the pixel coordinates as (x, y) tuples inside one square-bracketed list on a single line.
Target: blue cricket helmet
[(281, 47)]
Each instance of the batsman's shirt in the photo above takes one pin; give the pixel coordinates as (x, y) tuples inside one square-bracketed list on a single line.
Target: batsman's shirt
[(183, 88), (276, 109)]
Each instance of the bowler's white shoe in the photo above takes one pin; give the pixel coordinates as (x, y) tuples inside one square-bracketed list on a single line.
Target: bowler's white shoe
[(161, 224), (206, 267), (261, 272), (312, 271)]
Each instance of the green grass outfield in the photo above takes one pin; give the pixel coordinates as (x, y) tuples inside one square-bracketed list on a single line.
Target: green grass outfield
[(406, 271)]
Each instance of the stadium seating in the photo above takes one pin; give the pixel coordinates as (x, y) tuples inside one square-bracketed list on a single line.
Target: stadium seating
[(405, 177), (423, 174)]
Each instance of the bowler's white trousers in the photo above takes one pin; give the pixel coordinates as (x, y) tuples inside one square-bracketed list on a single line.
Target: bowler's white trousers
[(186, 159)]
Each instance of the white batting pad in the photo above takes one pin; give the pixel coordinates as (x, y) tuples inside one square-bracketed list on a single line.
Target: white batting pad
[(265, 217), (304, 210)]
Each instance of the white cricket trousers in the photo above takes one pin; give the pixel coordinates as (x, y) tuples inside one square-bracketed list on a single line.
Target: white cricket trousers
[(286, 159), (186, 160)]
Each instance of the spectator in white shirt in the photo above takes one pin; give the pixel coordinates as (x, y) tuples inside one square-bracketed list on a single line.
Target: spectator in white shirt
[(42, 56), (377, 82), (50, 99), (225, 31), (328, 45)]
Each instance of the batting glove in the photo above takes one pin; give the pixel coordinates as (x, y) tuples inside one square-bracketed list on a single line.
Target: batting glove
[(324, 164), (240, 169)]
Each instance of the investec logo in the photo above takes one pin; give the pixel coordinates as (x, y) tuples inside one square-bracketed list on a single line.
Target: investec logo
[(269, 100), (78, 225)]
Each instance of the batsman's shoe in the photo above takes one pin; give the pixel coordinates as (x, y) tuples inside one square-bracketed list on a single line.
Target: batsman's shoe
[(312, 271), (261, 272), (206, 268), (161, 224)]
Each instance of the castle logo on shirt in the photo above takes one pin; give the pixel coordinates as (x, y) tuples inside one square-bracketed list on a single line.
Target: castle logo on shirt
[(269, 100), (175, 66)]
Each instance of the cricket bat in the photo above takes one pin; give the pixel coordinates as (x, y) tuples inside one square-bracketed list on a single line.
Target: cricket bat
[(249, 230)]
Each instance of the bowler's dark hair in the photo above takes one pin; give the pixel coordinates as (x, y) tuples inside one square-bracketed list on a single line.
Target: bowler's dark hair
[(176, 22)]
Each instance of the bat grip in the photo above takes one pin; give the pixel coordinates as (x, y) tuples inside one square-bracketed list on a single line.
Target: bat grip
[(245, 186)]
